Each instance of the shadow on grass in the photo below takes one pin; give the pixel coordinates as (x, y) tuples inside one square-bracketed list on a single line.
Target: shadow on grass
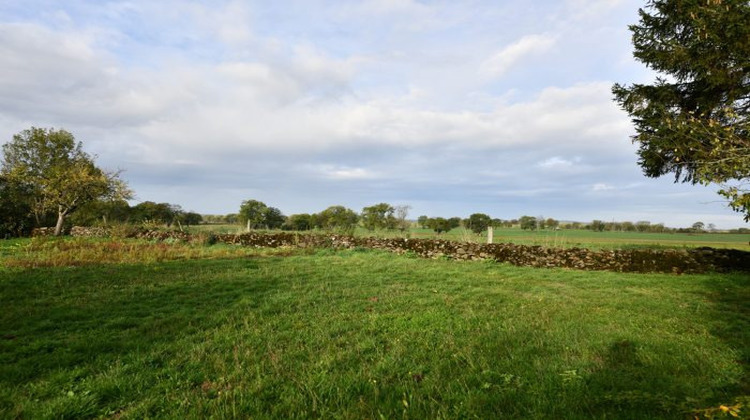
[(730, 296), (627, 383), (92, 317)]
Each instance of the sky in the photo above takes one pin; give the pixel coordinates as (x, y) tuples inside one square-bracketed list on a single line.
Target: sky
[(452, 107)]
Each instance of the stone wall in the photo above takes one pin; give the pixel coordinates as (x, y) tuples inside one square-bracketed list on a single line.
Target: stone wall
[(697, 260)]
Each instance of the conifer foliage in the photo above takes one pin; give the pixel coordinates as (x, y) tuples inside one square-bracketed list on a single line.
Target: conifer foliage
[(693, 120)]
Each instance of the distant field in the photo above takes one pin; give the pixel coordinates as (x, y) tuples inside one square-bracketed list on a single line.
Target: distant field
[(200, 331), (564, 238)]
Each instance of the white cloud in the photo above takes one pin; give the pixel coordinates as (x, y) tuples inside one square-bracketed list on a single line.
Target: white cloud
[(345, 173), (602, 187), (513, 54)]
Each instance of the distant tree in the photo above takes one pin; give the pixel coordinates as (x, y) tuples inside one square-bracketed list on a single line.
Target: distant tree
[(58, 174), (422, 221), (273, 218), (191, 218), (338, 218), (440, 224), (454, 222), (478, 222), (101, 212), (378, 216), (527, 222), (298, 222), (551, 223), (642, 226), (597, 226), (695, 120), (159, 213), (253, 213), (711, 227), (401, 213), (698, 226), (231, 218), (657, 228), (628, 226)]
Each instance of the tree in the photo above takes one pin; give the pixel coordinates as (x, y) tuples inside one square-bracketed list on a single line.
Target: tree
[(695, 122), (698, 227), (15, 209), (378, 216), (528, 222), (439, 224), (253, 213), (597, 226), (273, 218), (58, 173), (157, 213), (402, 212), (478, 222), (422, 221), (190, 218), (338, 218), (298, 222), (101, 212)]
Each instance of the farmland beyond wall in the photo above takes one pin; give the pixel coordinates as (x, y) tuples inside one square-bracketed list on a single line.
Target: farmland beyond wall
[(697, 260)]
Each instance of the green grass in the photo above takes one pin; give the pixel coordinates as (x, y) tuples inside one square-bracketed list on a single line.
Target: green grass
[(364, 334), (564, 238)]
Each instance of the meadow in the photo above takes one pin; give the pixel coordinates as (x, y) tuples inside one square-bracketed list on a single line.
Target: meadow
[(132, 329), (563, 238)]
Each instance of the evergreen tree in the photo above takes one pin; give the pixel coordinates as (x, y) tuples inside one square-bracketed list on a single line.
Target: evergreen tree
[(693, 121)]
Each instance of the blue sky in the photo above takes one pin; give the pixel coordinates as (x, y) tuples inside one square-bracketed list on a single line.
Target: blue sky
[(451, 107)]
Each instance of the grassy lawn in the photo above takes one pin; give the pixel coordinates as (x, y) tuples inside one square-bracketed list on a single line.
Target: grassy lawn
[(360, 334)]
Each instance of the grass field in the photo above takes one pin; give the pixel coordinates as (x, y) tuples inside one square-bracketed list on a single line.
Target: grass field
[(564, 238), (238, 333)]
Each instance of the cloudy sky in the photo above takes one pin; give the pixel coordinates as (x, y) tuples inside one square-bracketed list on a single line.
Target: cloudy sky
[(451, 107)]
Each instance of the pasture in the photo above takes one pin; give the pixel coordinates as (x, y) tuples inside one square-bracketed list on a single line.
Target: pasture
[(563, 238), (194, 331)]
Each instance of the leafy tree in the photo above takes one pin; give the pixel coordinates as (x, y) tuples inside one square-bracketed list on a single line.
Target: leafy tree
[(15, 209), (422, 221), (378, 216), (698, 226), (190, 218), (273, 218), (440, 224), (597, 226), (552, 223), (338, 218), (643, 225), (298, 222), (232, 218), (694, 122), (101, 212), (149, 211), (454, 222), (56, 171), (253, 213), (527, 222), (478, 222)]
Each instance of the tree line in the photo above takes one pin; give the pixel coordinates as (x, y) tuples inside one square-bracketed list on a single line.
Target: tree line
[(47, 180)]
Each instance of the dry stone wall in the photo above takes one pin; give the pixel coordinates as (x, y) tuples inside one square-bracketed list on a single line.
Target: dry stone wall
[(698, 260)]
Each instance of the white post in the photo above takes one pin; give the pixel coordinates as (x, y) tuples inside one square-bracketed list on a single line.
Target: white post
[(248, 225), (490, 234)]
